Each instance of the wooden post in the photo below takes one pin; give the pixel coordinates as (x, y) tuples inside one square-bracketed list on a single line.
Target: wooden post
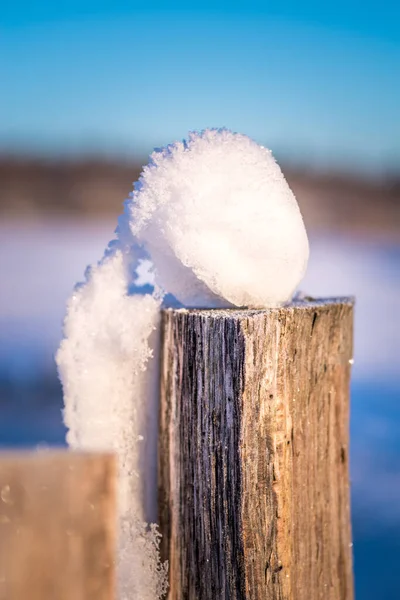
[(253, 458), (57, 526)]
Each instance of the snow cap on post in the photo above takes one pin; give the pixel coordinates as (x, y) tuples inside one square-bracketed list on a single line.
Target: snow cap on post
[(220, 222)]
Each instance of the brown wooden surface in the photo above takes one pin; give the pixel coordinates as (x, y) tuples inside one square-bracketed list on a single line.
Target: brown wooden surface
[(253, 458), (57, 526)]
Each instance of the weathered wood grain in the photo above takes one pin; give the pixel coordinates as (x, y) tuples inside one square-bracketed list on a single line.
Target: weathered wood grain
[(57, 526), (253, 457)]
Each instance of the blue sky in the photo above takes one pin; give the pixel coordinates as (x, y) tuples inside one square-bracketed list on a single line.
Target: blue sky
[(318, 84)]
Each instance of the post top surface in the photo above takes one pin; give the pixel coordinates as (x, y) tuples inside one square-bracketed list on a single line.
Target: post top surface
[(307, 304)]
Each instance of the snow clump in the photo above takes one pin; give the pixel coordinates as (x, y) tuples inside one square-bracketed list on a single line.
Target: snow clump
[(220, 222)]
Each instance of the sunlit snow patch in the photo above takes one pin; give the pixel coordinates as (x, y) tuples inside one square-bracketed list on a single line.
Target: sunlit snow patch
[(220, 222)]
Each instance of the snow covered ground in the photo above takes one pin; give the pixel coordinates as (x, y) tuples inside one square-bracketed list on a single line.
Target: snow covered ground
[(39, 264)]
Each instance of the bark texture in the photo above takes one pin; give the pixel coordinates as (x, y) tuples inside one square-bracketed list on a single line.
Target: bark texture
[(253, 457), (57, 526)]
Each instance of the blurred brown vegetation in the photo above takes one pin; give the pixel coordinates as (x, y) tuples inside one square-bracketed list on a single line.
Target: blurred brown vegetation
[(36, 187)]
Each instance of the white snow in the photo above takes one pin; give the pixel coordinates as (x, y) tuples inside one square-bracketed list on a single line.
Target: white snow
[(108, 396), (218, 221), (102, 362)]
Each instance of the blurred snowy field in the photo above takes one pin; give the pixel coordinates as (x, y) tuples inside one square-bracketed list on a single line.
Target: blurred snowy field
[(39, 264)]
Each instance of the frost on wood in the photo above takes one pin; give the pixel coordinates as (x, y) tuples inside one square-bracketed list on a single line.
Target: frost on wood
[(213, 223), (220, 222)]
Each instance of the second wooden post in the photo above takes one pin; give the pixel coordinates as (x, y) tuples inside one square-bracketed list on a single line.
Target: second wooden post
[(253, 458)]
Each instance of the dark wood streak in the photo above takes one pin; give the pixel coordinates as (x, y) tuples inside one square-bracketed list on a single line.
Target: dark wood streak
[(254, 497), (206, 413)]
